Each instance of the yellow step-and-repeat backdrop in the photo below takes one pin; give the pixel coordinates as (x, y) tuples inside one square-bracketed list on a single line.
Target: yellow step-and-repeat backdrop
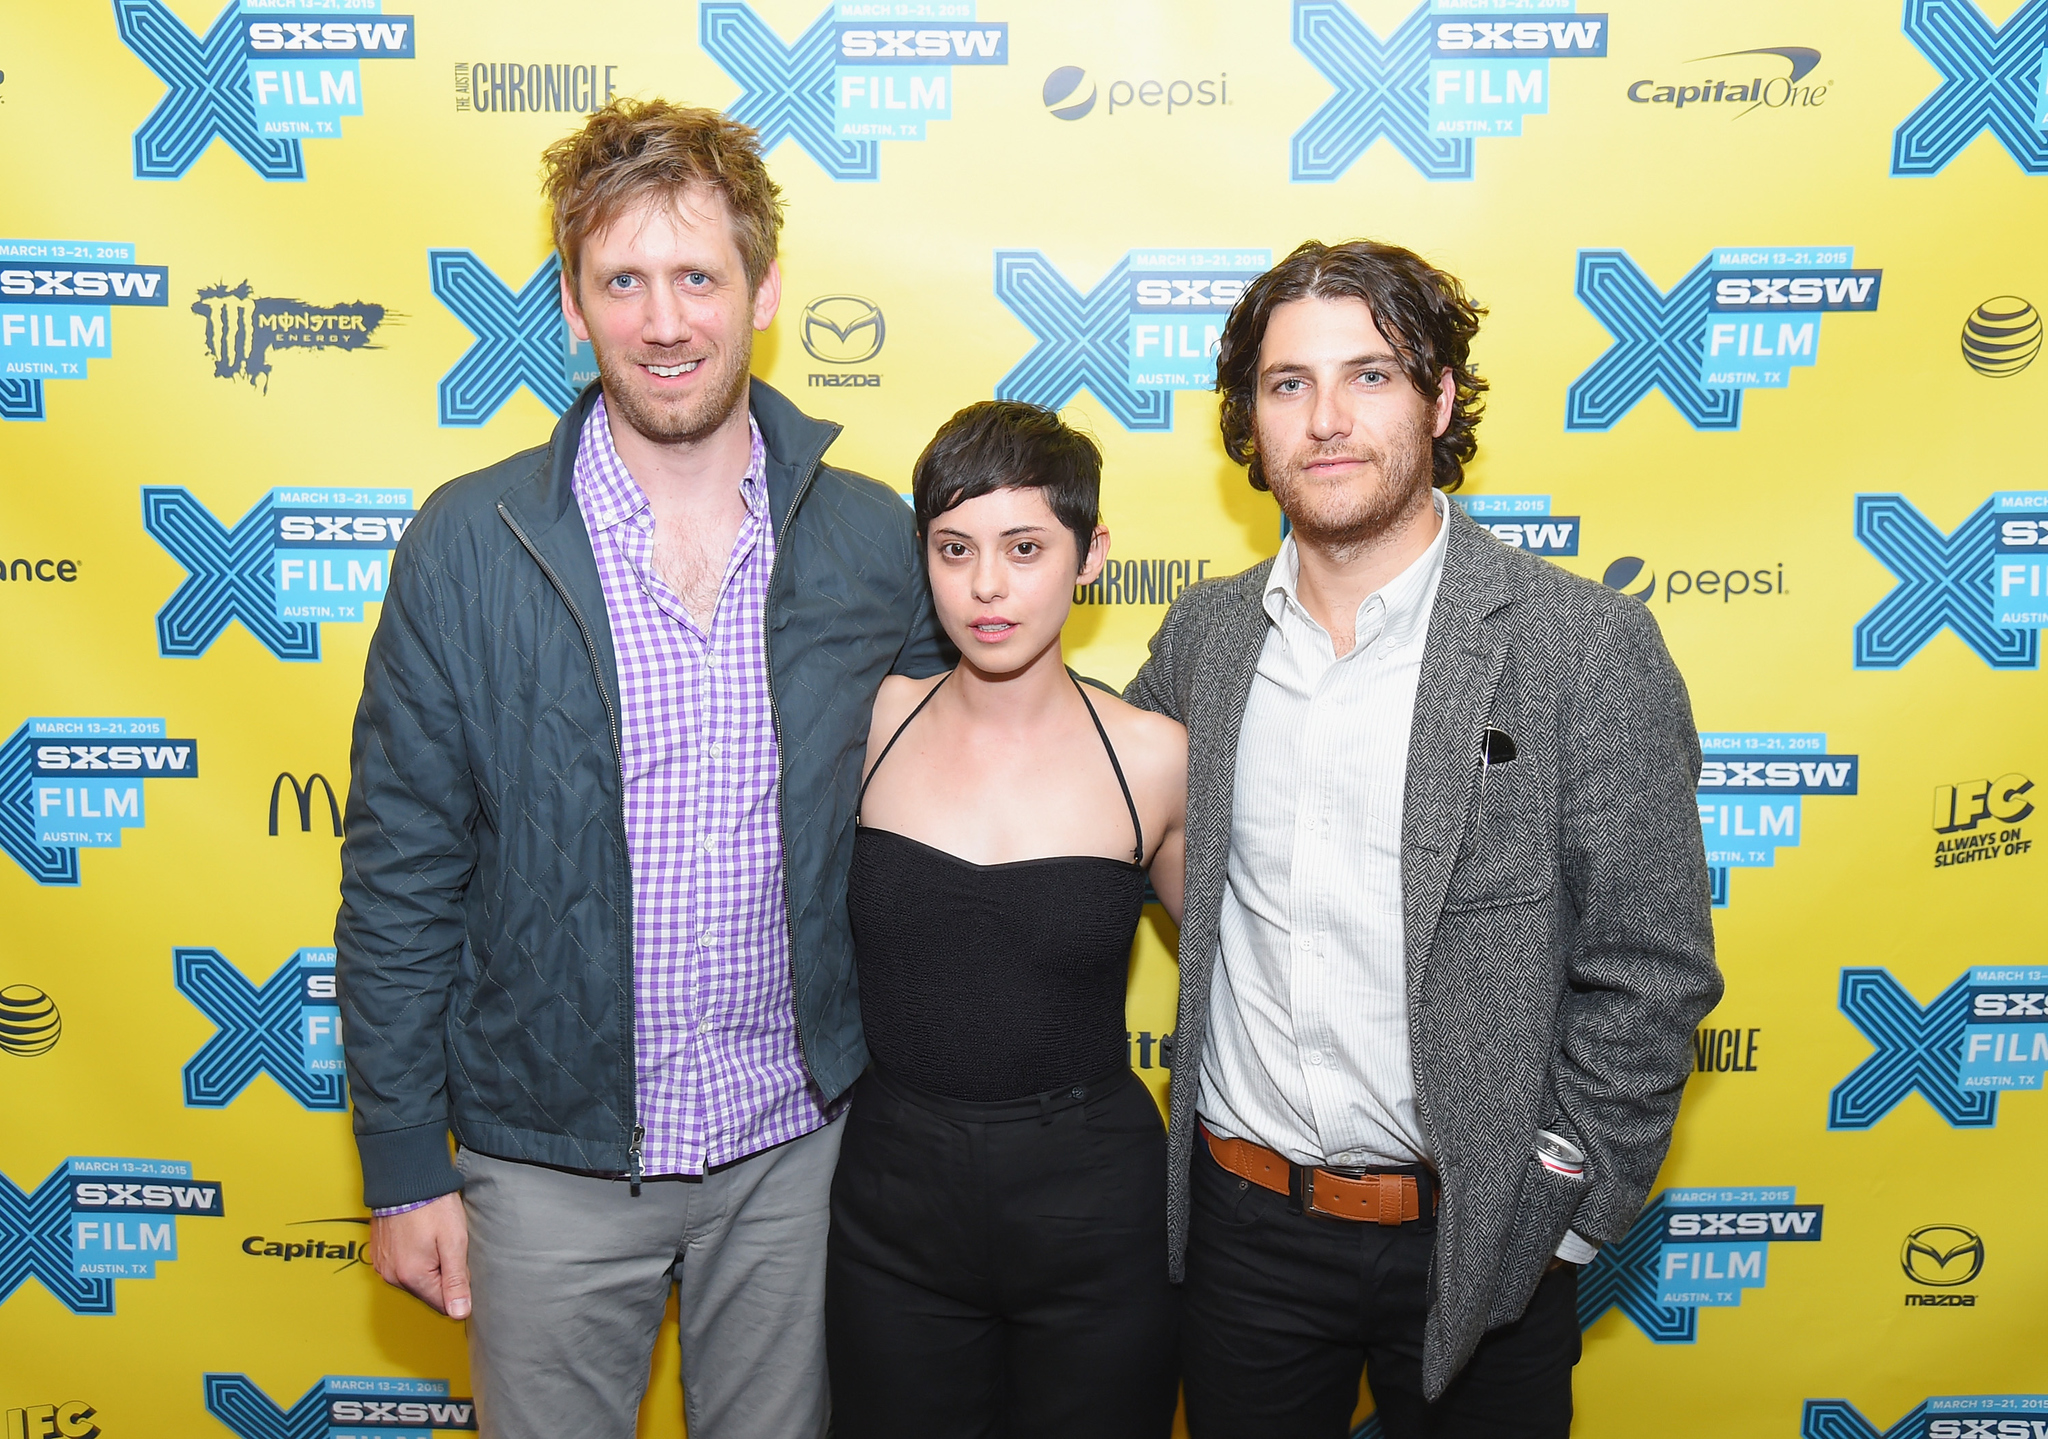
[(1763, 283)]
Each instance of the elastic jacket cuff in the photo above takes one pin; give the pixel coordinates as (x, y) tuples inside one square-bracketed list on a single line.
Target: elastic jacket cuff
[(406, 1166)]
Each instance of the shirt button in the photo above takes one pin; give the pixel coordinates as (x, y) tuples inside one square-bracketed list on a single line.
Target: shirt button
[(715, 748)]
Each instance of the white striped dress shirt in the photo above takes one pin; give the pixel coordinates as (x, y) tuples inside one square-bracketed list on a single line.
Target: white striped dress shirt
[(1308, 1014)]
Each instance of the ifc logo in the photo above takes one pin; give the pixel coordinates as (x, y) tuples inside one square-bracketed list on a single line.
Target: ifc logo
[(1062, 93), (1942, 1255), (1625, 572), (843, 329), (2002, 336), (29, 1022)]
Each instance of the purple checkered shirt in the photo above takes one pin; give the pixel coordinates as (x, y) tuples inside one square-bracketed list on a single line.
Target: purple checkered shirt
[(714, 1019)]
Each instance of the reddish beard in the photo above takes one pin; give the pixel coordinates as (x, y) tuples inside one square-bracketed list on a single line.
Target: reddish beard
[(672, 423)]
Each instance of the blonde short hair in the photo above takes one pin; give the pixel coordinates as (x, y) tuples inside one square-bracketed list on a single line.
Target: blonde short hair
[(632, 149)]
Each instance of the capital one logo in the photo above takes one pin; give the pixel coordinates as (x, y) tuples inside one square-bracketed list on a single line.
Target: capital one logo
[(288, 1026), (1990, 80), (337, 1403), (1743, 319), (261, 83), (1432, 86), (1962, 1416)]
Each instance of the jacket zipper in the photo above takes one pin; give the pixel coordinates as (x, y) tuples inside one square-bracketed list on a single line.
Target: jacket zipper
[(611, 714), (775, 717)]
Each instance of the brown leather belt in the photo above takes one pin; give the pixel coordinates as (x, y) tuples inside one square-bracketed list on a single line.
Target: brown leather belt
[(1367, 1198)]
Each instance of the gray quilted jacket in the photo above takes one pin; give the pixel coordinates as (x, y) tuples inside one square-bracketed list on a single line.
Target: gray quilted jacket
[(486, 928), (1560, 945)]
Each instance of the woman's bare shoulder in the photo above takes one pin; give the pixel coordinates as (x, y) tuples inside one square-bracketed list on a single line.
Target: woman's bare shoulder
[(898, 696), (1140, 735)]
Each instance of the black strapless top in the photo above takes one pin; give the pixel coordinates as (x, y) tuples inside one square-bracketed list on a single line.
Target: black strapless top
[(986, 982)]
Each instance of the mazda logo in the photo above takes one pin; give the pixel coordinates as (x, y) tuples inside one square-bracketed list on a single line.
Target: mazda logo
[(1942, 1255), (843, 329)]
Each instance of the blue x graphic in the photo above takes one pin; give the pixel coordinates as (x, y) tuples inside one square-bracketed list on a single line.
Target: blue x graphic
[(1658, 344), (259, 1031), (209, 95), (35, 1242), (1624, 1277), (229, 579), (1943, 580), (45, 864), (1382, 89), (520, 339), (1990, 79), (1839, 1419), (1081, 341), (1916, 1049), (235, 1400), (785, 90), (21, 399)]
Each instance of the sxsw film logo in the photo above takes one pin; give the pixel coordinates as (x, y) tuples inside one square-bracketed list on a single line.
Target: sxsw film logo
[(1149, 327), (1985, 1033), (95, 1220), (1732, 99), (298, 560), (521, 339), (289, 1027), (863, 72), (69, 783), (1448, 74), (57, 300), (1744, 319), (1967, 1416), (263, 79), (1990, 80), (1750, 792), (1693, 1249), (1986, 580), (242, 328), (350, 1406), (1998, 804), (1524, 522)]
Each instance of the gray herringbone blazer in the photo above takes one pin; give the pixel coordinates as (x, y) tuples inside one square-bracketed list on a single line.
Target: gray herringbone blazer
[(1560, 947)]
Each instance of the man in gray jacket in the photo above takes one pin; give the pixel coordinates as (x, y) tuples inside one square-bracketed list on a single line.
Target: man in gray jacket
[(1446, 933), (593, 919)]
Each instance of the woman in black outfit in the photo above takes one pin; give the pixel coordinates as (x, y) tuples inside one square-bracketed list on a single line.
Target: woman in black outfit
[(997, 1264)]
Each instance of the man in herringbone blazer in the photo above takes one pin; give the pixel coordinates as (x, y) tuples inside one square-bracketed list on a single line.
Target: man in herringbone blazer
[(1447, 930)]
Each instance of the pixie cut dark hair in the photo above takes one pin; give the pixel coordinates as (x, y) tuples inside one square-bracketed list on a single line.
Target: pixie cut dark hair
[(1423, 312), (1008, 445)]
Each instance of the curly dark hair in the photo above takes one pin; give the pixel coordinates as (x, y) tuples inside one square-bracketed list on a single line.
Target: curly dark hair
[(1423, 312)]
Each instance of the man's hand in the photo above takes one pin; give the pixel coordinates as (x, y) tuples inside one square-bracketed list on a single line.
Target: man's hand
[(426, 1251)]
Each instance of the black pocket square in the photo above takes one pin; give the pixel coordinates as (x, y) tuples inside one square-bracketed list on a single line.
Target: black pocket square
[(1495, 747)]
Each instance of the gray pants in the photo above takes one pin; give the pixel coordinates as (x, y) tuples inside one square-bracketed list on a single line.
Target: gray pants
[(570, 1276)]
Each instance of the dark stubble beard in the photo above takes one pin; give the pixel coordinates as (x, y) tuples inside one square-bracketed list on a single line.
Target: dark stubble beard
[(670, 424), (1342, 520)]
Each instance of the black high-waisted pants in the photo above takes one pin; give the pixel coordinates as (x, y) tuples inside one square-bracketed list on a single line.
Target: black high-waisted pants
[(998, 1271)]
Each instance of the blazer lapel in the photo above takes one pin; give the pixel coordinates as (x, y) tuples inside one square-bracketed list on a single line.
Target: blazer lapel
[(1462, 663), (1220, 685)]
